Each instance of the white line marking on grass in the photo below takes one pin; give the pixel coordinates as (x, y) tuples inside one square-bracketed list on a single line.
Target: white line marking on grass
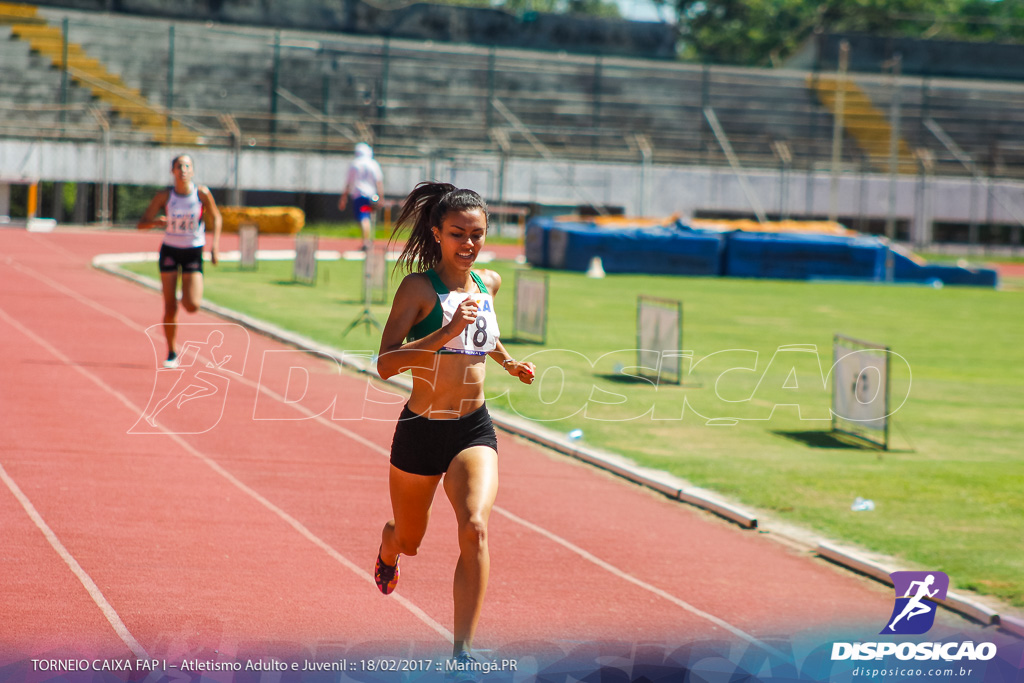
[(615, 571)]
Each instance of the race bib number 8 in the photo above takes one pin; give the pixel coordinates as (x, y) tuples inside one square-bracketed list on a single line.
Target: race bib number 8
[(480, 336)]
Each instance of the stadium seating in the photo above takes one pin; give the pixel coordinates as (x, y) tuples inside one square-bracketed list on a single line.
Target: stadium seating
[(985, 120), (325, 91)]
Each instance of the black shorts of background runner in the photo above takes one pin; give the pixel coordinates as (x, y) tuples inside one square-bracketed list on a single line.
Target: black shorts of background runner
[(427, 447), (190, 260)]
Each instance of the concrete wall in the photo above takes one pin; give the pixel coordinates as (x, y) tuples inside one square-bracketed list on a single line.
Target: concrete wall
[(638, 189)]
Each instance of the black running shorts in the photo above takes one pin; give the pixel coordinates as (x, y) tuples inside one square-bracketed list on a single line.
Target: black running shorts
[(427, 447), (189, 260)]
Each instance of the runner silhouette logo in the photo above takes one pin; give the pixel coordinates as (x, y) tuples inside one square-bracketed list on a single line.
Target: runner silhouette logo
[(190, 398), (917, 595)]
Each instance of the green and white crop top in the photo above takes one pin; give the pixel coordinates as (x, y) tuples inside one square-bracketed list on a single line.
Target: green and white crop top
[(478, 338)]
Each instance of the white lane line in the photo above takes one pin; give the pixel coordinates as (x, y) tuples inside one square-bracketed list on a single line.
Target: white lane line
[(568, 545), (309, 535), (291, 521), (90, 586), (131, 324), (507, 514), (610, 568), (626, 576)]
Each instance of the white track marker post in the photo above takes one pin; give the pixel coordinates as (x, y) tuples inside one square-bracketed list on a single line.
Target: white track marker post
[(248, 245), (305, 258), (659, 338)]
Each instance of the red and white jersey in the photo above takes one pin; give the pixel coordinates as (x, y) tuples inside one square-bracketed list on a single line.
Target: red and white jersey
[(185, 226)]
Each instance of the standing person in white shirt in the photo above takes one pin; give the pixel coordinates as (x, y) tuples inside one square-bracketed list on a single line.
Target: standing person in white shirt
[(186, 208), (364, 185)]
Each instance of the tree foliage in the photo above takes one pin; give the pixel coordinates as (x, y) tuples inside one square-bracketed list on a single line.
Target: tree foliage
[(760, 32)]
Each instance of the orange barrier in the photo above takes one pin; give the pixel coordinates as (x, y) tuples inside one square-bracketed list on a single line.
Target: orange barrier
[(620, 221), (268, 219), (747, 225), (714, 224)]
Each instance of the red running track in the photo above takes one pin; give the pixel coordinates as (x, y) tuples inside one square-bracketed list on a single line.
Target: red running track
[(258, 534)]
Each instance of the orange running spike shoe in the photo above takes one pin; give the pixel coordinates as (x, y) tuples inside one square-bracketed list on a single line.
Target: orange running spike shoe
[(385, 575)]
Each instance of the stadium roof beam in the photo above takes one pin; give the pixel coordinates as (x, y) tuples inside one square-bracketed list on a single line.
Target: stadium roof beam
[(544, 152), (968, 163), (734, 162)]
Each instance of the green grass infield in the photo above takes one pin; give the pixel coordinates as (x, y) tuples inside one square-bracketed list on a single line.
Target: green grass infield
[(948, 496)]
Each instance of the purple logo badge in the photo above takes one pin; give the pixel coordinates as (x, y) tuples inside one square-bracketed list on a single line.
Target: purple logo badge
[(916, 596)]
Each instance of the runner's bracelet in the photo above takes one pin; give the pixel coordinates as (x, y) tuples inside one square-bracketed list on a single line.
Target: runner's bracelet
[(505, 363)]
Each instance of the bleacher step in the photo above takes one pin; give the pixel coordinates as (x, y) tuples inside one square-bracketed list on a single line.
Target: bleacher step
[(91, 73), (865, 123)]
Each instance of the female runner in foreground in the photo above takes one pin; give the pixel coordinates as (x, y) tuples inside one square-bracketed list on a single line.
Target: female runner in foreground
[(186, 209), (442, 327)]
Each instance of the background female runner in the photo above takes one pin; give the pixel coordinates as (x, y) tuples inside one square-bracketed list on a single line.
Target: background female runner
[(186, 209)]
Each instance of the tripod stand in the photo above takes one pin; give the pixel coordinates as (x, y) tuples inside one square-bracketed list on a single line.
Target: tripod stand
[(366, 317)]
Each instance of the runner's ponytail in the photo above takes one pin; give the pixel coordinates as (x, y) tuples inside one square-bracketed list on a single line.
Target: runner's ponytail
[(424, 208)]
